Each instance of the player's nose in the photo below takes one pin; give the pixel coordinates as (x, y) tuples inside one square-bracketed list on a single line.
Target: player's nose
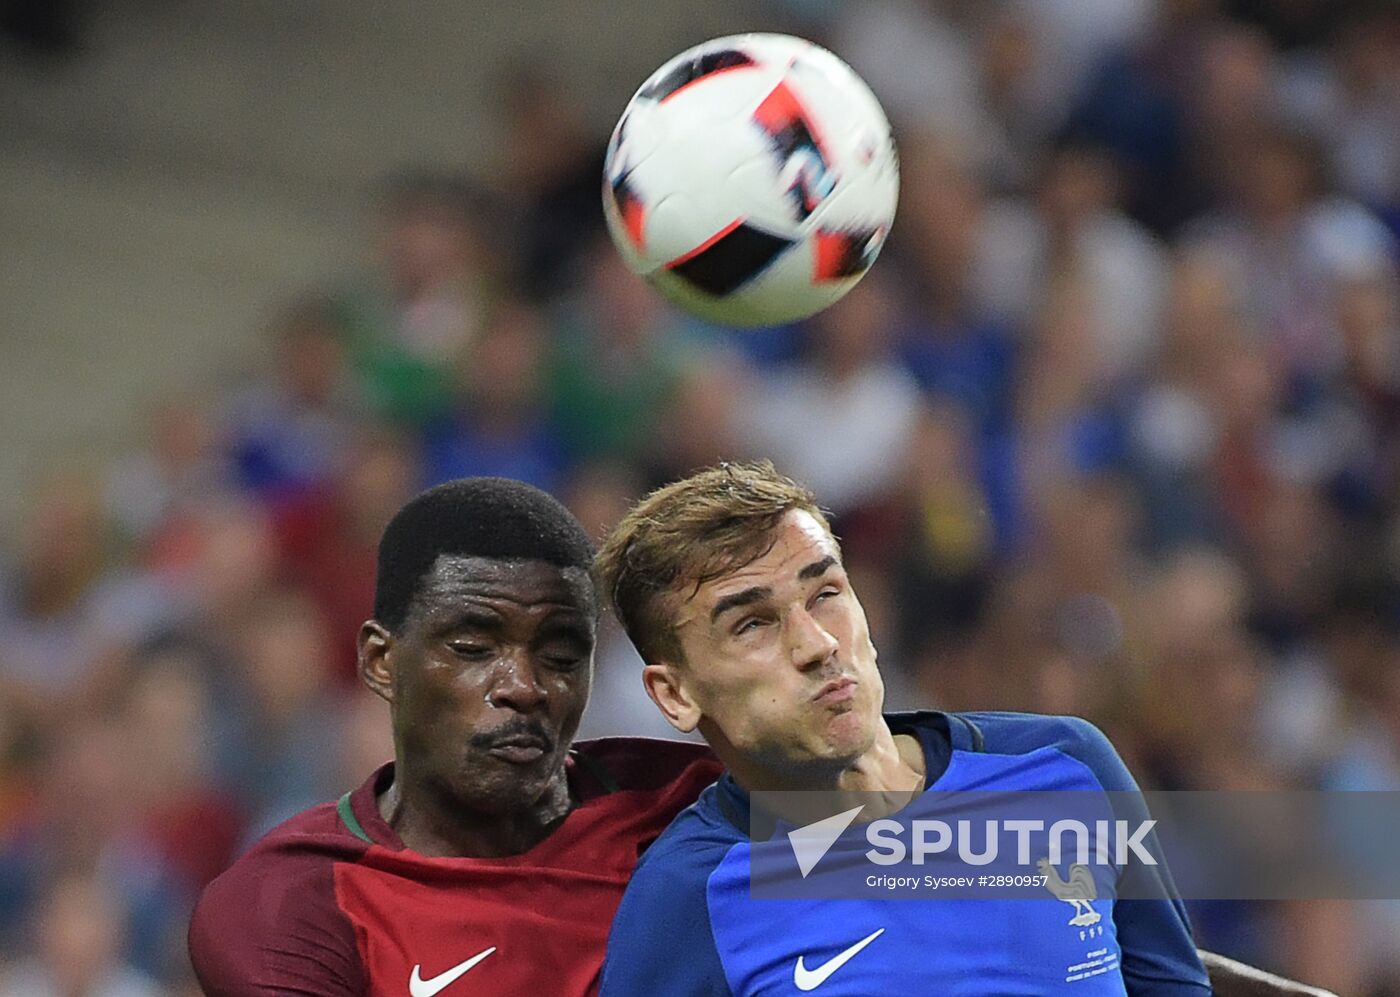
[(810, 644), (516, 685)]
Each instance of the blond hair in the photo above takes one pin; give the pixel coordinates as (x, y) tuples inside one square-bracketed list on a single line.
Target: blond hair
[(687, 533)]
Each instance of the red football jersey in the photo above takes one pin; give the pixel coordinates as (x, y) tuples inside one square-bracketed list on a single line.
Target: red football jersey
[(332, 903)]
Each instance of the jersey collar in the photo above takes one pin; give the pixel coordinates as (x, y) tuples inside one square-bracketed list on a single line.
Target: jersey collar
[(359, 809), (939, 734)]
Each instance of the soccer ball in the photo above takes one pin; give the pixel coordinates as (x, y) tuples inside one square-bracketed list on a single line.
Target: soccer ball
[(752, 179)]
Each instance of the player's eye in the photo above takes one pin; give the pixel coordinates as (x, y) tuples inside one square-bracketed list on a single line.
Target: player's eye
[(747, 625), (470, 650), (563, 660)]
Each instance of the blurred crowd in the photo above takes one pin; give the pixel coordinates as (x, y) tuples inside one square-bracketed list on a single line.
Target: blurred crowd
[(1112, 429)]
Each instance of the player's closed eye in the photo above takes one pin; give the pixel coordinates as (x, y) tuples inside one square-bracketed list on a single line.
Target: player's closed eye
[(563, 660), (470, 650), (748, 625)]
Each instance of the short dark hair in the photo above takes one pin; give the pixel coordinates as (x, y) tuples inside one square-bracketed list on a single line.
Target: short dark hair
[(472, 517)]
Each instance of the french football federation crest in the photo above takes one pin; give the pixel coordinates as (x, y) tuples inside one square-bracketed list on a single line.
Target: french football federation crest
[(1078, 891)]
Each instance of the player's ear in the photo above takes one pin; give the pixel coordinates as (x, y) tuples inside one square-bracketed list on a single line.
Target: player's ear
[(664, 684), (372, 658)]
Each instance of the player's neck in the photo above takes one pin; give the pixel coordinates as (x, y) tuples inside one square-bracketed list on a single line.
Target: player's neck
[(438, 828), (893, 764)]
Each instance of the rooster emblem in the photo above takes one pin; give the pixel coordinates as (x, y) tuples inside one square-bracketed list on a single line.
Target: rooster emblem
[(1077, 892)]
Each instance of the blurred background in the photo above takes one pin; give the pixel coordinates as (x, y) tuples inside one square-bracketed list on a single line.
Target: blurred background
[(1113, 428)]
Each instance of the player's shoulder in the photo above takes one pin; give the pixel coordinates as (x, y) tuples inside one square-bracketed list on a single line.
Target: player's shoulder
[(1018, 733), (697, 840), (1006, 733), (286, 860), (646, 763), (278, 898)]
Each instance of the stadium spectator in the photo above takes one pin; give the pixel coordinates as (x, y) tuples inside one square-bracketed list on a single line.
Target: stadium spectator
[(416, 321), (1074, 230), (78, 947), (618, 357), (700, 423), (1288, 243), (179, 464), (948, 338), (500, 423), (939, 547), (68, 609), (289, 429), (326, 538), (1350, 102), (849, 384), (284, 719), (547, 175), (83, 820)]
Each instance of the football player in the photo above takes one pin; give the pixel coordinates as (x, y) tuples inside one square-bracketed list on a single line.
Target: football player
[(491, 850), (731, 585)]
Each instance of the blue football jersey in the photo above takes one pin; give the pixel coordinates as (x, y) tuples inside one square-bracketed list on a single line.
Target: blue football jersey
[(688, 925)]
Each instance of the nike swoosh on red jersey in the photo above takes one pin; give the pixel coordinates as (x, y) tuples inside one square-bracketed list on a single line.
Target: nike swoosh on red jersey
[(419, 987)]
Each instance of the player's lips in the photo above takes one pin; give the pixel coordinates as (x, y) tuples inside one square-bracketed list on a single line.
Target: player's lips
[(836, 691), (519, 749)]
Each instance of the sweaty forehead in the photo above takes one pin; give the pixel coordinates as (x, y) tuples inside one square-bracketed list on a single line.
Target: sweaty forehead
[(455, 579)]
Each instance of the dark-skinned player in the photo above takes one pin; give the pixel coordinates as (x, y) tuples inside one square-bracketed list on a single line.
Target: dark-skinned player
[(491, 851)]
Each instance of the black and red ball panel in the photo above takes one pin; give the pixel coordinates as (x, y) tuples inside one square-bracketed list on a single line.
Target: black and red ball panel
[(730, 259), (845, 254), (703, 65), (631, 209)]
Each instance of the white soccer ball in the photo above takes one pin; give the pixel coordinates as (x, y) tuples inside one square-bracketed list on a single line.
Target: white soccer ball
[(752, 179)]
